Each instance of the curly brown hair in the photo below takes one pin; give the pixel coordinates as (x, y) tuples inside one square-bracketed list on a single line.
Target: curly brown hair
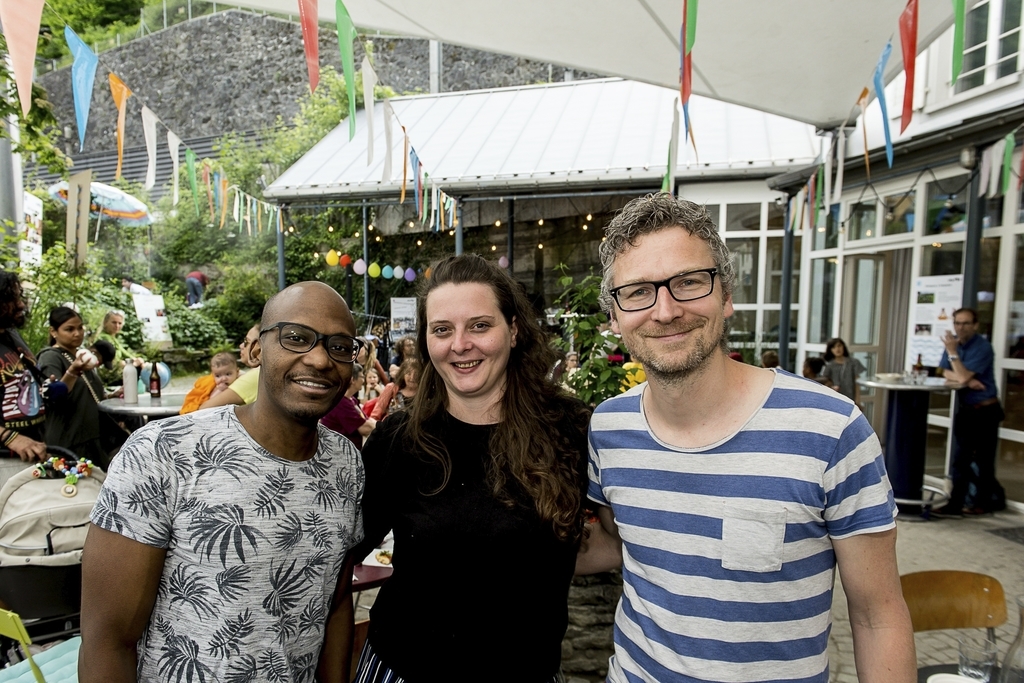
[(535, 447)]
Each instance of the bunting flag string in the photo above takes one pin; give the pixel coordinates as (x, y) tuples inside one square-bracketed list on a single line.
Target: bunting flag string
[(223, 201), (862, 102), (310, 40), (190, 165), (149, 120), (21, 20), (209, 189), (369, 83), (120, 93), (173, 143), (347, 34), (880, 94), (83, 76), (908, 44), (1009, 142), (388, 142), (959, 19)]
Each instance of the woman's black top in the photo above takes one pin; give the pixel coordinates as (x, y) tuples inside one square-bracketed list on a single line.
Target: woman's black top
[(479, 589), (74, 421)]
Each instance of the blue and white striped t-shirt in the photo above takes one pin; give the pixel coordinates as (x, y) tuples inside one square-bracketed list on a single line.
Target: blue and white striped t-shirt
[(727, 558)]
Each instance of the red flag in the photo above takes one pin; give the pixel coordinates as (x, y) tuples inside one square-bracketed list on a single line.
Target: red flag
[(310, 41), (908, 41)]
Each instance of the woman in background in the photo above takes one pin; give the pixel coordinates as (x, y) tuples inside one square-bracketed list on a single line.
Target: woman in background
[(842, 370), (490, 466), (399, 395), (404, 350), (73, 422)]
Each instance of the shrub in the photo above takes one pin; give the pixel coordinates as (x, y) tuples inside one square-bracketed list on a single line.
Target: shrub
[(190, 328)]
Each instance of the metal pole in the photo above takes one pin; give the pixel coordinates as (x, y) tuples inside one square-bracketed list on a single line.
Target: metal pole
[(366, 257), (458, 232), (348, 284), (280, 256), (189, 3), (511, 236), (972, 247), (785, 293), (165, 13)]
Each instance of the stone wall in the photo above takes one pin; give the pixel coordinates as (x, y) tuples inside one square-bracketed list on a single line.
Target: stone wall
[(240, 71), (588, 640)]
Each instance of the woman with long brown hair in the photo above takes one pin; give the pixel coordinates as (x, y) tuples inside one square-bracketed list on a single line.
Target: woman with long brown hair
[(484, 479)]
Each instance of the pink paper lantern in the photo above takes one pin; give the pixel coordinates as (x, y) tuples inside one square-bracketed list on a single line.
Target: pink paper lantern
[(359, 267), (503, 261)]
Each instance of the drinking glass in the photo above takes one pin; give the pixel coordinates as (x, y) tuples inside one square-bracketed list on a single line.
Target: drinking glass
[(977, 657)]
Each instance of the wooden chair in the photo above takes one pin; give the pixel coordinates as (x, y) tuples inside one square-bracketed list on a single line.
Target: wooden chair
[(954, 599)]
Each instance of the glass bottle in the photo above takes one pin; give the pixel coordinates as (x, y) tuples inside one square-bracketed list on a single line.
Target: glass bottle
[(1013, 665)]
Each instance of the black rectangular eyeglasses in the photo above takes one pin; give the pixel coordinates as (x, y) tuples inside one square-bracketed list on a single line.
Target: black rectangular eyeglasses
[(638, 296), (298, 338)]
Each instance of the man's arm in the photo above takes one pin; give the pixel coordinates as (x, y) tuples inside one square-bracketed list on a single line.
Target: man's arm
[(336, 653), (601, 550), (367, 427), (228, 397), (883, 636), (121, 576)]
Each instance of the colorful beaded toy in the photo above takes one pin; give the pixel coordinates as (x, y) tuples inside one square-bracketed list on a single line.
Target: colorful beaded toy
[(83, 468)]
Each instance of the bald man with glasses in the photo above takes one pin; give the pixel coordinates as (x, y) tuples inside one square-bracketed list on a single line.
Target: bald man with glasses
[(219, 545)]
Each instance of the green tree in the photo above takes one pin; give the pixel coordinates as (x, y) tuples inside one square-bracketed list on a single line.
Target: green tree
[(39, 133), (92, 20)]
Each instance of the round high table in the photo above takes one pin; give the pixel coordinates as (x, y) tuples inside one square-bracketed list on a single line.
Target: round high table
[(147, 407), (906, 433)]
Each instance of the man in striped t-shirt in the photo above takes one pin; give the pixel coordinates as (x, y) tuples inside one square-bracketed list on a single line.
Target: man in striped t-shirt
[(729, 494)]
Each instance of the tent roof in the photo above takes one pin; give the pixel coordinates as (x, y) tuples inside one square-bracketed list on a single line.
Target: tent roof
[(803, 59), (601, 132)]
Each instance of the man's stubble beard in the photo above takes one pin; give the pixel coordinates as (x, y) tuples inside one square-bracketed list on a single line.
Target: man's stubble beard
[(674, 372)]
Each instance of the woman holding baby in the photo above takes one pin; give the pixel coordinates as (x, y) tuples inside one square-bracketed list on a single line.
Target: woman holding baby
[(74, 421)]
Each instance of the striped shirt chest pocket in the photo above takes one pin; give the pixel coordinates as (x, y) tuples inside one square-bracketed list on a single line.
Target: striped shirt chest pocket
[(752, 538)]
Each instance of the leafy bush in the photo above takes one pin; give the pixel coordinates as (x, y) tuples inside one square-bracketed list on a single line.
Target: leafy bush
[(54, 282), (244, 289), (596, 379), (190, 328)]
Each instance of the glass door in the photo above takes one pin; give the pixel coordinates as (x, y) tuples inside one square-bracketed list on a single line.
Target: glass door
[(862, 322)]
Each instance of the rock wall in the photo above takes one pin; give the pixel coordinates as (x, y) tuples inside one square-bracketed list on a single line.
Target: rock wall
[(240, 71), (588, 640)]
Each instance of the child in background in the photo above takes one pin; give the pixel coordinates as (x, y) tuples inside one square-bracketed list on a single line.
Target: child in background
[(812, 370), (223, 371), (371, 387)]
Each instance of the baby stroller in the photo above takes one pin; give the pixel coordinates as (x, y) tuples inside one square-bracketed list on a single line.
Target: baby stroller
[(44, 518)]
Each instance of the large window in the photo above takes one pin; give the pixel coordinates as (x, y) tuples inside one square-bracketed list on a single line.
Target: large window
[(863, 221), (899, 213), (943, 258), (827, 236), (1015, 325), (991, 43), (744, 260), (823, 283), (743, 217), (773, 284), (947, 205)]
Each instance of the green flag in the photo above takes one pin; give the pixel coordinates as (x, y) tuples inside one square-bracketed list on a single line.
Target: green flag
[(691, 24), (190, 164), (347, 34), (959, 15), (1011, 143)]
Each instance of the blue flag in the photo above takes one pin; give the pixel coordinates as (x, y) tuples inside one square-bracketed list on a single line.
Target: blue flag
[(880, 93), (83, 73)]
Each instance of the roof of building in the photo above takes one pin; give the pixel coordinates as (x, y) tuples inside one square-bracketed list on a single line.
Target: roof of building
[(600, 133)]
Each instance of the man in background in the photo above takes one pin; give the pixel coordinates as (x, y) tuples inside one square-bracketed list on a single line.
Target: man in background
[(968, 359)]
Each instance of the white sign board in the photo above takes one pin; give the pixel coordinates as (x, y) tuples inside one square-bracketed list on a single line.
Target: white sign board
[(403, 317), (931, 315), (150, 309), (30, 242)]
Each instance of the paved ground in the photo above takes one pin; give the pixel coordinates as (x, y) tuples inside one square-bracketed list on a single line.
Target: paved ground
[(965, 544)]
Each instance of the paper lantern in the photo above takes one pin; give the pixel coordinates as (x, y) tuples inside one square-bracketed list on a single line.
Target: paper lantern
[(387, 272), (399, 273), (345, 260), (503, 261), (410, 274), (374, 270), (359, 267), (331, 258)]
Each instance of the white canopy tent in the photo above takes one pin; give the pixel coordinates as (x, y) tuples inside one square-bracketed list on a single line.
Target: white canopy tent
[(802, 59)]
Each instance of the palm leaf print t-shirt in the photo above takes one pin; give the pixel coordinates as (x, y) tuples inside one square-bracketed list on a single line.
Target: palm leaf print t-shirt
[(254, 545)]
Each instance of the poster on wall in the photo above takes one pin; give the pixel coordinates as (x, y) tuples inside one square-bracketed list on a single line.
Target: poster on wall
[(931, 316), (30, 241), (403, 317), (150, 309)]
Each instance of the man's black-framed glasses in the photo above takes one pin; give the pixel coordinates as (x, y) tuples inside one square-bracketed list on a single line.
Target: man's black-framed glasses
[(638, 296), (297, 338)]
